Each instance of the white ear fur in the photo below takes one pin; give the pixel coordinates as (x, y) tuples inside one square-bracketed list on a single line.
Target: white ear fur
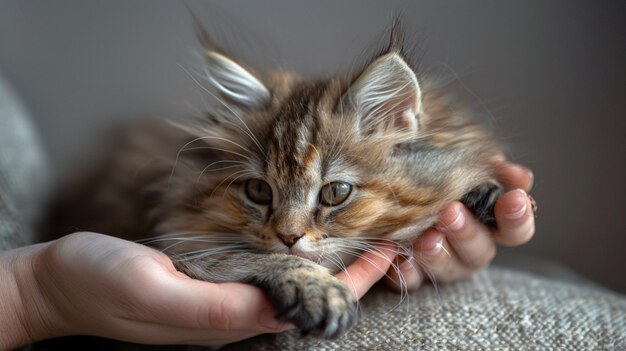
[(235, 83), (386, 96)]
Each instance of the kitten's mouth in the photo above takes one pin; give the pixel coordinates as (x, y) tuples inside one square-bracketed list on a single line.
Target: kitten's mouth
[(295, 250), (334, 261), (335, 265), (308, 255)]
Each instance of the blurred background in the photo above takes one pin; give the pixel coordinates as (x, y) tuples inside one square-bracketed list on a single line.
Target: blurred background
[(550, 76)]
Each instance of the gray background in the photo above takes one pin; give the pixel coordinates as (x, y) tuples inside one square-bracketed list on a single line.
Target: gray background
[(550, 76)]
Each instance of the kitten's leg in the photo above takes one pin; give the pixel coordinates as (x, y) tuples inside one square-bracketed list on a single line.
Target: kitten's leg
[(481, 201), (301, 291)]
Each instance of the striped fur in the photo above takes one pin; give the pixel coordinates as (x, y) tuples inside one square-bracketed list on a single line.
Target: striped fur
[(404, 150)]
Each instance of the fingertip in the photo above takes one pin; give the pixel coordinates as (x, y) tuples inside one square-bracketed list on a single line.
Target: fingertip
[(531, 179), (515, 217), (518, 205), (452, 217), (410, 274), (430, 244), (460, 224), (512, 206)]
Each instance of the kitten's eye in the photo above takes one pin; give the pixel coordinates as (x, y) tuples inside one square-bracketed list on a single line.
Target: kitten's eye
[(259, 191), (334, 193)]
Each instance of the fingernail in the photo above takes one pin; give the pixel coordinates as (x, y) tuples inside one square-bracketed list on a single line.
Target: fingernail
[(433, 248), (457, 223), (531, 176), (268, 319), (520, 208)]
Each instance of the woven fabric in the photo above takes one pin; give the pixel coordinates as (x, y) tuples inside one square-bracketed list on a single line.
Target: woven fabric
[(496, 309), (23, 172)]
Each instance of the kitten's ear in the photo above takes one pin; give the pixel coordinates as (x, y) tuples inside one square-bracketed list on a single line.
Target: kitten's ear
[(233, 82), (386, 97)]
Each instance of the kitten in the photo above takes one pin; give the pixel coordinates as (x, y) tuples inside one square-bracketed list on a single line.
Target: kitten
[(285, 180)]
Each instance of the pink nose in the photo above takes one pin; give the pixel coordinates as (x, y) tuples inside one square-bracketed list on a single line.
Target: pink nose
[(289, 239)]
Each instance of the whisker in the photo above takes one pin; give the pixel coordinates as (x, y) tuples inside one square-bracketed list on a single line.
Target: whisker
[(234, 179), (164, 236), (218, 169), (426, 269), (370, 261), (217, 149), (245, 171), (342, 266), (212, 251), (357, 252)]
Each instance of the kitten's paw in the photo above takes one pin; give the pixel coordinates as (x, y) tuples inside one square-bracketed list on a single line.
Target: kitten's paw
[(481, 201), (315, 301)]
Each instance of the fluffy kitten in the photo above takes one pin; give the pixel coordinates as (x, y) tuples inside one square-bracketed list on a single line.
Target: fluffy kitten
[(286, 180)]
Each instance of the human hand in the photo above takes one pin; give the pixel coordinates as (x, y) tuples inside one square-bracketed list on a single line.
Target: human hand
[(93, 284), (460, 245)]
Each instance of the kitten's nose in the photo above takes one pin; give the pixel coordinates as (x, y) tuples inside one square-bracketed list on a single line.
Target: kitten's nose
[(289, 239)]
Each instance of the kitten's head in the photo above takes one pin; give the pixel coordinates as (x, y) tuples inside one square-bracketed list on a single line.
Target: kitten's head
[(314, 168)]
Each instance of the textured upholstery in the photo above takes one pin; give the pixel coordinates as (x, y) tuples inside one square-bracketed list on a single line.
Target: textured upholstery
[(496, 309)]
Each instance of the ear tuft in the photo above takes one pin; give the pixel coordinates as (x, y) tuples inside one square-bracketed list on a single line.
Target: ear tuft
[(228, 79), (234, 83), (386, 96), (396, 36)]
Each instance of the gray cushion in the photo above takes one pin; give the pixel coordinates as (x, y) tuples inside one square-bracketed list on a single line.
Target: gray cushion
[(496, 309)]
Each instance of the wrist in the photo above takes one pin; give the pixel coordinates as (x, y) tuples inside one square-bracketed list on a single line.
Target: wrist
[(27, 315)]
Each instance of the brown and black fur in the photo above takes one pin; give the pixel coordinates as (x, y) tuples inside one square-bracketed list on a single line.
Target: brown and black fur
[(184, 188)]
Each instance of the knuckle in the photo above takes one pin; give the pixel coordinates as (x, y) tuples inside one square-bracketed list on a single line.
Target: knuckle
[(220, 315), (491, 253), (483, 259), (469, 231), (444, 269), (466, 233), (412, 279), (440, 259), (446, 275), (407, 274)]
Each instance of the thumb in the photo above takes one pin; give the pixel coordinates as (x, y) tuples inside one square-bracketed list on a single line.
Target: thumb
[(225, 306)]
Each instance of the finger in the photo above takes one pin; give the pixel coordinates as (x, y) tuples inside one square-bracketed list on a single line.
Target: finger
[(146, 332), (470, 240), (170, 309), (437, 258), (515, 176), (369, 268), (405, 276), (229, 306), (515, 218)]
